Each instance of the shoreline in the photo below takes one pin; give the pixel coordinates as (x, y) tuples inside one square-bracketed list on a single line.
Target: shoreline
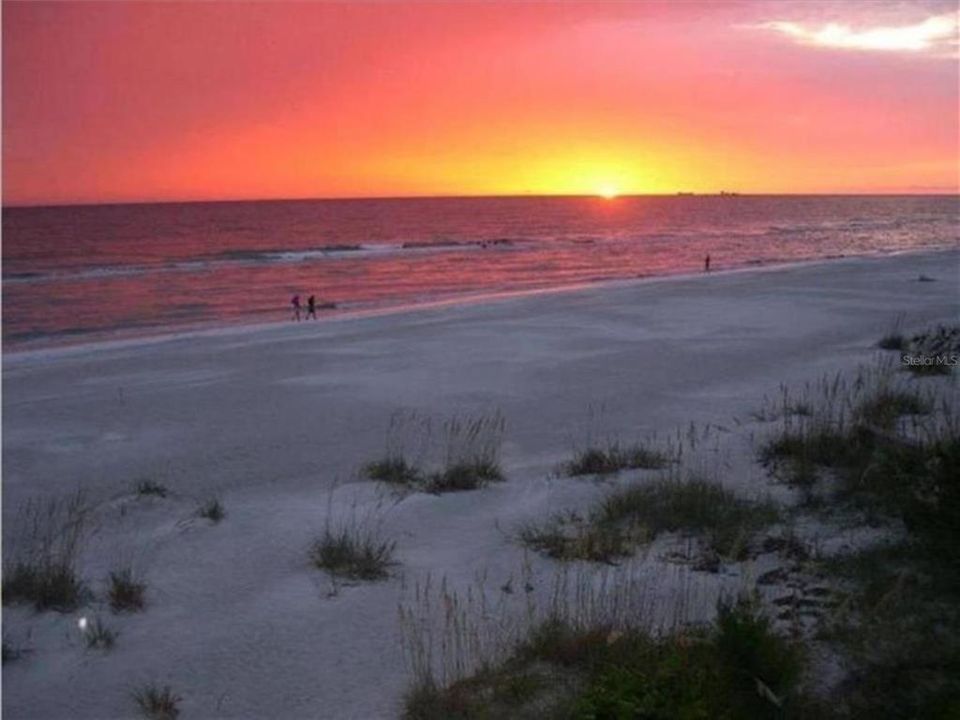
[(42, 348)]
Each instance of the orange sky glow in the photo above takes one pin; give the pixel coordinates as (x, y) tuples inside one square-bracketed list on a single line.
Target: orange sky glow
[(117, 102)]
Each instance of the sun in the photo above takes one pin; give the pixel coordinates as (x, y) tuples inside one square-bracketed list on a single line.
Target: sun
[(608, 192)]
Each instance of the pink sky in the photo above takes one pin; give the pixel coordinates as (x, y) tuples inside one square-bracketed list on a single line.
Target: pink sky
[(140, 101)]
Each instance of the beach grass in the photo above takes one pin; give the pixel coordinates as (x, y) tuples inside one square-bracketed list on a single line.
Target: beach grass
[(126, 591), (40, 567), (353, 553), (149, 487), (98, 636), (737, 668), (637, 514), (157, 703), (212, 509), (463, 455), (613, 458)]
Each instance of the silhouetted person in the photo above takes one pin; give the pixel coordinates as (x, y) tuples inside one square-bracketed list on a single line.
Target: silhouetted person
[(706, 263), (296, 307), (312, 307)]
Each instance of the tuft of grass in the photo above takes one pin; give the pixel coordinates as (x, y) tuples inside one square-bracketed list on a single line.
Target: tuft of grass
[(353, 553), (892, 341), (614, 458), (149, 487), (212, 509), (393, 470), (465, 456), (157, 703), (466, 475), (43, 556), (49, 586), (566, 539), (98, 636), (126, 592)]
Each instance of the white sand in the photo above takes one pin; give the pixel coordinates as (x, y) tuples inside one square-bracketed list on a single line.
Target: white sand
[(238, 622)]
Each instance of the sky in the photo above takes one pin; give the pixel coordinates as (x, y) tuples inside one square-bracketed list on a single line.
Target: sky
[(140, 101)]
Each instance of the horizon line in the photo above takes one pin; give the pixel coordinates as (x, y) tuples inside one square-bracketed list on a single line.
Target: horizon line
[(942, 192)]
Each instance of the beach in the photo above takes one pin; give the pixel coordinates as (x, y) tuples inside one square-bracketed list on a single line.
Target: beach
[(277, 422)]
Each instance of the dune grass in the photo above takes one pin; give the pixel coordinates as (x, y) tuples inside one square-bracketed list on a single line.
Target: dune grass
[(613, 458), (898, 629), (463, 455), (126, 591), (41, 565), (639, 513), (157, 703), (353, 553), (98, 636), (149, 487), (737, 669), (212, 509)]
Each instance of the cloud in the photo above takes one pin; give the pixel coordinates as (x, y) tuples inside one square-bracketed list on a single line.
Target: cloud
[(937, 35)]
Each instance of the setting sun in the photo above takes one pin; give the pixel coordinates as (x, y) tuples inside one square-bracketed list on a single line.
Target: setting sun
[(608, 192)]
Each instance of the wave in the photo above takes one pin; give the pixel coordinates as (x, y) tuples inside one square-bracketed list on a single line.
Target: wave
[(264, 256)]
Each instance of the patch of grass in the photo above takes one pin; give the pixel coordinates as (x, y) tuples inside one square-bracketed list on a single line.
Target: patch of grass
[(465, 456), (637, 514), (933, 348), (900, 632), (569, 539), (883, 408), (157, 703), (738, 670), (98, 636), (149, 487), (126, 592), (898, 629), (53, 586), (353, 553), (212, 509), (394, 470), (43, 554), (892, 341), (692, 505), (464, 476), (614, 458)]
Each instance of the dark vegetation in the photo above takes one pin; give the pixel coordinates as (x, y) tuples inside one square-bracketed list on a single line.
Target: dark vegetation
[(738, 668), (613, 458), (149, 487), (98, 636), (639, 513), (126, 592), (41, 568), (157, 703), (212, 509), (467, 454), (354, 553)]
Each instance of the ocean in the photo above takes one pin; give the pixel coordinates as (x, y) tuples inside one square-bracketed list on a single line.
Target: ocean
[(87, 273)]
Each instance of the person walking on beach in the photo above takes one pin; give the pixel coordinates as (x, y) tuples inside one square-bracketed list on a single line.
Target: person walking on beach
[(311, 307), (296, 307), (706, 263)]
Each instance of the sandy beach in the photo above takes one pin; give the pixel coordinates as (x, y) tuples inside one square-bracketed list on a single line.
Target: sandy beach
[(277, 422)]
